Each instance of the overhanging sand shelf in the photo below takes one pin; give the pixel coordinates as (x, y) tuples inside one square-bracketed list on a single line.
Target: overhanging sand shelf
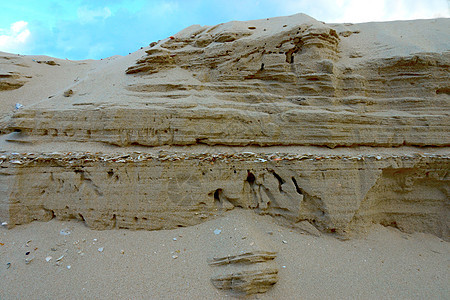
[(371, 100)]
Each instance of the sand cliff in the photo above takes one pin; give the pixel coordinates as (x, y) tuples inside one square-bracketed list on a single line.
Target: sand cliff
[(378, 90), (328, 128)]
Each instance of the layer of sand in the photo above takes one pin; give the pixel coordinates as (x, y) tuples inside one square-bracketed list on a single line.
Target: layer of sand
[(102, 82), (139, 264)]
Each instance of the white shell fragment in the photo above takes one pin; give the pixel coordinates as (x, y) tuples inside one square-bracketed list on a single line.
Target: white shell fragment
[(64, 231), (60, 258)]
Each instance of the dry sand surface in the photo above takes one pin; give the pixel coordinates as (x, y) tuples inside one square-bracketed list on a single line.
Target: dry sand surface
[(386, 264)]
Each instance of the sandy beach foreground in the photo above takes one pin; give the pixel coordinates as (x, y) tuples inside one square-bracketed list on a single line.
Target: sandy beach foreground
[(172, 264)]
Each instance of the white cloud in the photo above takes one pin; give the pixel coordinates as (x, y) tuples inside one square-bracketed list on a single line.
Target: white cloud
[(15, 38), (387, 10), (362, 11), (367, 10), (86, 15), (99, 50)]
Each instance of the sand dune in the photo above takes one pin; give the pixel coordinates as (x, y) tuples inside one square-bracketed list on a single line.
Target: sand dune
[(282, 158)]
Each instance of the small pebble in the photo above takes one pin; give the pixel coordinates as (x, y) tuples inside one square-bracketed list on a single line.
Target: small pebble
[(68, 267), (48, 258), (100, 249), (217, 231), (29, 259), (284, 242)]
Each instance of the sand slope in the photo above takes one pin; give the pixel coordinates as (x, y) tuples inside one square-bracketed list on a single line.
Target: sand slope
[(385, 264)]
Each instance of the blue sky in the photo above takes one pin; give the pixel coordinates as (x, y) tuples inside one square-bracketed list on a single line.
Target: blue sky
[(81, 29)]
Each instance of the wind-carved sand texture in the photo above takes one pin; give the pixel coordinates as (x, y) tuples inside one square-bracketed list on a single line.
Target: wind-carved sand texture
[(327, 127), (245, 273)]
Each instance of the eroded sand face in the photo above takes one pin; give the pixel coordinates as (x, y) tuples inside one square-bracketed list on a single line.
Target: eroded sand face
[(338, 193), (329, 127)]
